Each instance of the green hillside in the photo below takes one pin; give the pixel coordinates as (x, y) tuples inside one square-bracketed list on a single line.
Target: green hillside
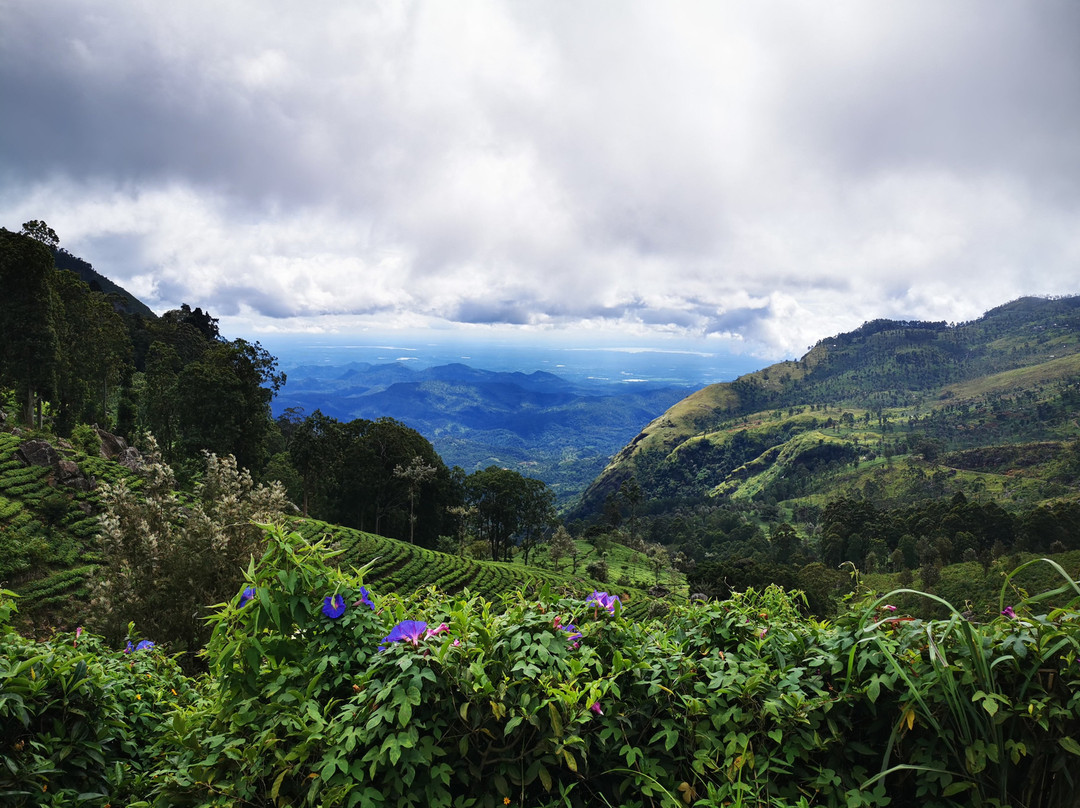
[(867, 410), (49, 546)]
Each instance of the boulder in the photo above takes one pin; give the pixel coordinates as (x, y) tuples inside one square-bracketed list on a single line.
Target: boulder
[(69, 474), (38, 453), (130, 458), (112, 446)]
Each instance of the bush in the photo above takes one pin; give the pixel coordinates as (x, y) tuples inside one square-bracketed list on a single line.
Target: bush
[(86, 440), (597, 570), (78, 719), (560, 702)]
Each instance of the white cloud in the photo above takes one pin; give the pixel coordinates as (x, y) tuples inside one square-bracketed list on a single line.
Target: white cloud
[(774, 172)]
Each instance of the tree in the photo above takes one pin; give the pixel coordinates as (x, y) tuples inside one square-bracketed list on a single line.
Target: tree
[(28, 321), (560, 546), (39, 231), (94, 355), (166, 558), (508, 506), (415, 475)]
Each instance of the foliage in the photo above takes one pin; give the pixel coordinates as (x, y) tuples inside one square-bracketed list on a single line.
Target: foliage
[(164, 557), (78, 719), (349, 476), (324, 692), (436, 701), (402, 568)]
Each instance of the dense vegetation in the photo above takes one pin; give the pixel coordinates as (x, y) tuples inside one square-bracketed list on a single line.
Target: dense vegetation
[(899, 446), (322, 691)]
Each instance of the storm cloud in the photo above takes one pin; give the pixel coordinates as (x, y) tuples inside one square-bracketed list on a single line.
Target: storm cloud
[(759, 174)]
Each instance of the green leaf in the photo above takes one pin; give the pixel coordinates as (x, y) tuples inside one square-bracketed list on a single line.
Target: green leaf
[(545, 777), (1070, 745)]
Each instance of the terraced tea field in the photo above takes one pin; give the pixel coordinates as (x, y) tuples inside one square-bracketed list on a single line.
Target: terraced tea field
[(48, 534), (401, 567)]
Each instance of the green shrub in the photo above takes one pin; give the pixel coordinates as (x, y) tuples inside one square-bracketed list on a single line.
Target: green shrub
[(86, 439), (78, 719)]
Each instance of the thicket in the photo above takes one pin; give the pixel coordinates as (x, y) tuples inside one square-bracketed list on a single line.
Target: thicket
[(323, 692)]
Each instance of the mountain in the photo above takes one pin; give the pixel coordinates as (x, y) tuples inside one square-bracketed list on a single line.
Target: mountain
[(892, 411), (126, 301), (536, 423)]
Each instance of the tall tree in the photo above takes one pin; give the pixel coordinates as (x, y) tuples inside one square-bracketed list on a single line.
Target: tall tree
[(28, 320)]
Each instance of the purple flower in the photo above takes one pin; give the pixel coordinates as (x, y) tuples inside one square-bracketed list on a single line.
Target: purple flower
[(333, 606), (247, 596), (604, 600), (409, 631), (145, 645), (129, 648), (596, 708), (432, 632), (889, 607), (572, 630), (365, 598), (78, 633), (1009, 612)]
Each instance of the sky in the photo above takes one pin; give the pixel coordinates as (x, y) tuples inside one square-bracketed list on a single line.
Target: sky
[(744, 177)]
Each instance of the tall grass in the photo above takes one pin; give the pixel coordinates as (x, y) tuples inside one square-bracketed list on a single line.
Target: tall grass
[(981, 693)]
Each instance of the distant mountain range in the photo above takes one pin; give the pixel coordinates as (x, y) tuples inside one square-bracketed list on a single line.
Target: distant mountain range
[(538, 423)]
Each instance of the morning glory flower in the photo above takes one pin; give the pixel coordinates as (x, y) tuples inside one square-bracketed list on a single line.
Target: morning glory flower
[(596, 708), (603, 599), (129, 648), (409, 631), (333, 606), (247, 596), (1009, 612), (145, 645), (571, 629), (365, 598), (431, 632)]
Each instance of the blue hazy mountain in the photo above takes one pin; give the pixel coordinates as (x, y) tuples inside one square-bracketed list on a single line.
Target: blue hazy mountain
[(540, 424)]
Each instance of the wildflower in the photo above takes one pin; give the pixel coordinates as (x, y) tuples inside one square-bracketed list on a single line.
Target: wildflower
[(572, 630), (333, 606), (432, 632), (1009, 612), (596, 708), (145, 645), (365, 598), (761, 634), (409, 631), (129, 647), (604, 600), (889, 607), (506, 800), (78, 633), (456, 642), (247, 596)]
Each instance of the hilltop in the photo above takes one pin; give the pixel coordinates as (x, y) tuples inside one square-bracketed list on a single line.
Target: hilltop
[(955, 399)]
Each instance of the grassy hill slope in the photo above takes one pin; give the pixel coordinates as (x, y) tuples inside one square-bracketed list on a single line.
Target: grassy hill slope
[(880, 410)]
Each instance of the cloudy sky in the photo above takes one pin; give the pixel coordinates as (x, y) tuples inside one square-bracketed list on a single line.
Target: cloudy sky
[(752, 176)]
